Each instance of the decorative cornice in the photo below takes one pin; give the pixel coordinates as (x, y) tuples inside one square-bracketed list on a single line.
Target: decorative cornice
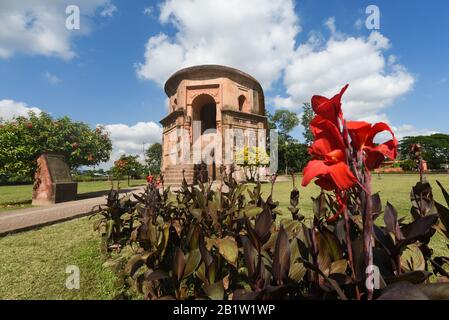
[(172, 116), (241, 114)]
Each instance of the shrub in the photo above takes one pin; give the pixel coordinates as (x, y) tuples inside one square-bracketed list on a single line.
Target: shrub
[(230, 243), (408, 165)]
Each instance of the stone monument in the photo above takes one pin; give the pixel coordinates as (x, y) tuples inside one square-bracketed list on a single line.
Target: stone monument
[(53, 182), (222, 100)]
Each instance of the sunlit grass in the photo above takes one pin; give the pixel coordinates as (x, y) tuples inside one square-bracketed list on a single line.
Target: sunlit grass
[(32, 264)]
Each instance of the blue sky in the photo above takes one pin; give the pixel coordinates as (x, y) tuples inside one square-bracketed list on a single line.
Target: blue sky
[(111, 71)]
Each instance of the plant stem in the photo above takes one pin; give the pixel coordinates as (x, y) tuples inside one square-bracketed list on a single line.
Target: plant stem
[(368, 229), (349, 248)]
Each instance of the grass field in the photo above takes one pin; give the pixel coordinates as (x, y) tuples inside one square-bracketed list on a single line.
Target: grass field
[(18, 197), (32, 264)]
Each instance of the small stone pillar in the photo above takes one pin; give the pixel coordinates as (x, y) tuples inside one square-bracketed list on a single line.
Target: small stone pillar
[(52, 181)]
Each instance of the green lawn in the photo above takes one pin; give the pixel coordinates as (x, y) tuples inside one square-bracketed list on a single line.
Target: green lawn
[(32, 264), (17, 197), (394, 188)]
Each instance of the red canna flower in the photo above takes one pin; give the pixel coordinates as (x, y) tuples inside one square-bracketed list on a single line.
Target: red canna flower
[(362, 139), (329, 164), (329, 109)]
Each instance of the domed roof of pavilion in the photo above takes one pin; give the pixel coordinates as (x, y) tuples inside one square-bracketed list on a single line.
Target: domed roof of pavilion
[(207, 71)]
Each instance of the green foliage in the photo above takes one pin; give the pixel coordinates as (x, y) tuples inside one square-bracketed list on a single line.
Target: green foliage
[(154, 158), (435, 148), (233, 244), (23, 139), (306, 118), (292, 155), (127, 166), (115, 222), (408, 165), (285, 121)]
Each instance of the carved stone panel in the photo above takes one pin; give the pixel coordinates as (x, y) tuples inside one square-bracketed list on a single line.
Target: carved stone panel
[(194, 91), (53, 182)]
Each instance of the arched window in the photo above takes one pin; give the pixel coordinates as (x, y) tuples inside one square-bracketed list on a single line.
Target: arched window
[(242, 100)]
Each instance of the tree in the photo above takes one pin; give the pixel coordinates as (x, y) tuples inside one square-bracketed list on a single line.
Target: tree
[(296, 155), (23, 139), (292, 155), (284, 121), (306, 118), (154, 157), (128, 166), (435, 148)]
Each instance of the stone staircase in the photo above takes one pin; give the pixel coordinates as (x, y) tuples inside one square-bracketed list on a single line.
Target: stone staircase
[(173, 174)]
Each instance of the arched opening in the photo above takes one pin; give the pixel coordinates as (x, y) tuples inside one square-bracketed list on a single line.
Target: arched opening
[(242, 101), (204, 110), (208, 115)]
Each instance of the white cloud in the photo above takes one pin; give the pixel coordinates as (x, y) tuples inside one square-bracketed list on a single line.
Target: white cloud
[(38, 27), (359, 23), (410, 130), (10, 109), (108, 10), (132, 139), (330, 24), (323, 69), (51, 78), (257, 37), (148, 11)]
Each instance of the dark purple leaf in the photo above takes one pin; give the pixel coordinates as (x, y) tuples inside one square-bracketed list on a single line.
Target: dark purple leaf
[(179, 263), (391, 221), (263, 225), (418, 230), (402, 291), (281, 258)]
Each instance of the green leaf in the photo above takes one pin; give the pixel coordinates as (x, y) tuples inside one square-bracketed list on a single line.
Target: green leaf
[(228, 249), (133, 265), (193, 260), (339, 266), (251, 211), (297, 271), (412, 258), (197, 213), (215, 291)]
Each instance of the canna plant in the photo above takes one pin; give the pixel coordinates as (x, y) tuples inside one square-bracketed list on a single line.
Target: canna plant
[(232, 242)]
